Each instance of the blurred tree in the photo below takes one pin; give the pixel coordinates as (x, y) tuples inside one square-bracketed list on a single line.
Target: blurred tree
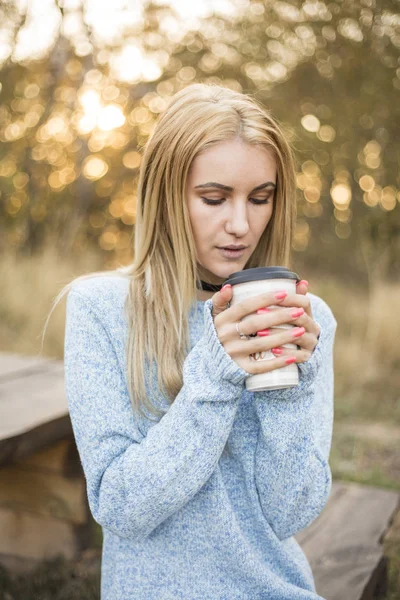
[(75, 113)]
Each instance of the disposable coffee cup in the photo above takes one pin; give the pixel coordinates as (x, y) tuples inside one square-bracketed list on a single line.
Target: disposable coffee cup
[(253, 282)]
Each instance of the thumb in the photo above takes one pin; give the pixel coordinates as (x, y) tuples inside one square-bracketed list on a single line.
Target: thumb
[(302, 287), (221, 299)]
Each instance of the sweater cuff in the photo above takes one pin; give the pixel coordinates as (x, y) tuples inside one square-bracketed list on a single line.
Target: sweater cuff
[(309, 370), (222, 365)]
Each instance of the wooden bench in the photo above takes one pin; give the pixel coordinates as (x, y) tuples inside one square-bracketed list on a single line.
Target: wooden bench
[(343, 545), (43, 503), (44, 510)]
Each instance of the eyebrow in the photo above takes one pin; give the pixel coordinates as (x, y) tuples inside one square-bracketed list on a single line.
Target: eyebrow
[(227, 188)]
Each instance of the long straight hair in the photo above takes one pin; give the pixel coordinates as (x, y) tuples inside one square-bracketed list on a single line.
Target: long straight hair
[(163, 275)]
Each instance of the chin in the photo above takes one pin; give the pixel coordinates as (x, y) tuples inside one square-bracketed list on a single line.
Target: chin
[(227, 269), (221, 270)]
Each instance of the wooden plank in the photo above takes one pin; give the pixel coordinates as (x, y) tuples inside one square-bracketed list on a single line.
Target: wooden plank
[(49, 482), (33, 407), (32, 399), (32, 536), (43, 493), (12, 365), (343, 543), (21, 446), (61, 457)]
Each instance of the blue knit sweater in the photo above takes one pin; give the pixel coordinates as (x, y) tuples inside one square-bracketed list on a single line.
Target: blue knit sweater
[(182, 518)]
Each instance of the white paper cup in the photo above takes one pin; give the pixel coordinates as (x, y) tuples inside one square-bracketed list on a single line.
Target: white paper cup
[(253, 282)]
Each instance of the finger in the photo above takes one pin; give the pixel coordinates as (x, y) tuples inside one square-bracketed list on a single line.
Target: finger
[(251, 305), (266, 318), (305, 341), (307, 322), (256, 367), (224, 296), (221, 299), (300, 300), (302, 287), (302, 355)]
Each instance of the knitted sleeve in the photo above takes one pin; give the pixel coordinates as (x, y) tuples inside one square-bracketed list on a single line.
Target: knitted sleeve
[(292, 473), (135, 483)]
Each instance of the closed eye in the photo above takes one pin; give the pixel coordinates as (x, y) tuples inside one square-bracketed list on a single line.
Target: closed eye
[(215, 202)]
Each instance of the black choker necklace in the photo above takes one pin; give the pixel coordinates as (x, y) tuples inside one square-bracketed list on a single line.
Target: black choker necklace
[(209, 287)]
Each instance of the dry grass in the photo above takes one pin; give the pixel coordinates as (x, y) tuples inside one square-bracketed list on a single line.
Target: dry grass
[(29, 286), (367, 351)]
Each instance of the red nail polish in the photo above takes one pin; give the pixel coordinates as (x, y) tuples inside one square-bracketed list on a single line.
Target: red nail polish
[(262, 311), (291, 359), (277, 350), (297, 312), (280, 295), (263, 332), (298, 331)]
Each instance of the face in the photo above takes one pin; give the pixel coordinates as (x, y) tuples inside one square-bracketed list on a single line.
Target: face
[(230, 193)]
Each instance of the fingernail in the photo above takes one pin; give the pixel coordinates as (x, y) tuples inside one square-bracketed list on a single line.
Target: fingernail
[(303, 281), (298, 331), (280, 295), (264, 332), (262, 311), (227, 285), (297, 312), (291, 359), (277, 350)]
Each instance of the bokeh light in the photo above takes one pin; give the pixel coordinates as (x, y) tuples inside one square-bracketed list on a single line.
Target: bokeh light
[(74, 122), (94, 167), (310, 123), (341, 196)]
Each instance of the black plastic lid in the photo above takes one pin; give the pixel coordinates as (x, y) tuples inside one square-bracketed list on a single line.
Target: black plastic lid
[(261, 273)]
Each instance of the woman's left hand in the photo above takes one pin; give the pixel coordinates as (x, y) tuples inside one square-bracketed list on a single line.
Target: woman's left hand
[(309, 339)]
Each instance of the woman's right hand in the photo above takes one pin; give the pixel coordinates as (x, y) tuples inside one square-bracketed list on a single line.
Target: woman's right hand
[(245, 312)]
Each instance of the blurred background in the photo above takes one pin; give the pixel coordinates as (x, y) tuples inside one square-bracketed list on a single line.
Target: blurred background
[(81, 86)]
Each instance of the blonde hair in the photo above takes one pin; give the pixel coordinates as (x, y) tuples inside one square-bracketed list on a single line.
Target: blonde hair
[(163, 275)]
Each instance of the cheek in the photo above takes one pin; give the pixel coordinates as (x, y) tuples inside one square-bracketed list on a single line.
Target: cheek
[(201, 212), (200, 221), (260, 223), (196, 210)]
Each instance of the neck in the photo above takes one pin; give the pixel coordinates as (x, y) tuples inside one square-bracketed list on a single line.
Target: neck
[(205, 289), (204, 295)]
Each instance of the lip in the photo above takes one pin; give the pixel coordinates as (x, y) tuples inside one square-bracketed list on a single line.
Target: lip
[(231, 253), (232, 247)]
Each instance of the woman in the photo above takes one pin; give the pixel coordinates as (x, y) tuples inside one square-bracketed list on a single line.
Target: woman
[(155, 371)]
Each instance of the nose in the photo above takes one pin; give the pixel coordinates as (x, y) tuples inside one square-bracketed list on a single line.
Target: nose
[(237, 222)]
